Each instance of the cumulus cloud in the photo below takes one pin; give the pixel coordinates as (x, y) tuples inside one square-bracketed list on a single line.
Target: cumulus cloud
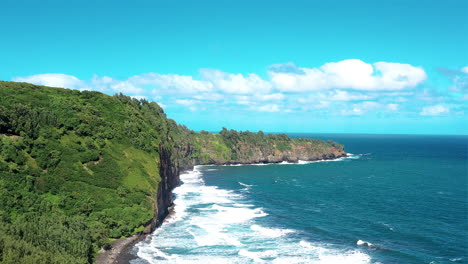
[(348, 74), (54, 80), (267, 108), (185, 102), (459, 77), (340, 95), (393, 107), (361, 108), (235, 83), (369, 106), (348, 87), (209, 97), (172, 83), (434, 110), (271, 97)]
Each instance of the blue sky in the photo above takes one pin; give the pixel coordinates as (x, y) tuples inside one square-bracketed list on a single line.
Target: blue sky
[(286, 66)]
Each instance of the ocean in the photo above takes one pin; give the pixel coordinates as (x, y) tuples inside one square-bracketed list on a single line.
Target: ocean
[(395, 199)]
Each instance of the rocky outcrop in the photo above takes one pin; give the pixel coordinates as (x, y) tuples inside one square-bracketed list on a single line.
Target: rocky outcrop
[(306, 151)]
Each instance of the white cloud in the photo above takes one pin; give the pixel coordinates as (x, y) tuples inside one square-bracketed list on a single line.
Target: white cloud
[(235, 83), (243, 100), (271, 97), (209, 96), (125, 87), (393, 107), (185, 102), (400, 99), (139, 97), (398, 76), (268, 108), (361, 108), (346, 86), (434, 110), (340, 95), (460, 80), (54, 80), (172, 83), (348, 74)]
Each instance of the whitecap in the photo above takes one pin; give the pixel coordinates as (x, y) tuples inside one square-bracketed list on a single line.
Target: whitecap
[(365, 243), (270, 232), (245, 185), (231, 215), (214, 225), (252, 255)]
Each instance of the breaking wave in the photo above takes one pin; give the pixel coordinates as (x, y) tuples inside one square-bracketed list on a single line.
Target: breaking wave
[(213, 225)]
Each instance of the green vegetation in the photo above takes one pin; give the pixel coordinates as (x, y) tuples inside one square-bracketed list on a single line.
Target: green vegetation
[(79, 169), (231, 146), (76, 168)]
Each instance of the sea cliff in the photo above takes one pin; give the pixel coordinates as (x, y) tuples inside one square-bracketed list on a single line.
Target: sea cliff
[(104, 167)]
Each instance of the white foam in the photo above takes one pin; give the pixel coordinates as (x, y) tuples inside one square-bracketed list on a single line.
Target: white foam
[(245, 185), (243, 205), (389, 227), (252, 255), (364, 243), (270, 232), (258, 256), (353, 257), (231, 215), (213, 225)]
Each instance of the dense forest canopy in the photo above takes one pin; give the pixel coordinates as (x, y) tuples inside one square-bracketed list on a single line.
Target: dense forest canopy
[(81, 168)]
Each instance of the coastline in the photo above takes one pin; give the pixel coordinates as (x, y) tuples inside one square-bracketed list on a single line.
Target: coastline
[(119, 252)]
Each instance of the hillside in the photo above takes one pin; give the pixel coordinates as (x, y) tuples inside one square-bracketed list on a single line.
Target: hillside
[(79, 169)]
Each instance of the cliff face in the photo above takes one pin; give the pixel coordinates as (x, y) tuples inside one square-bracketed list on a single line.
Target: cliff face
[(188, 154), (169, 173), (185, 156), (232, 147), (303, 151)]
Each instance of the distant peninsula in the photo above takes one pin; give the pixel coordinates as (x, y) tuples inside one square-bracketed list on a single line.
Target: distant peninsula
[(81, 169)]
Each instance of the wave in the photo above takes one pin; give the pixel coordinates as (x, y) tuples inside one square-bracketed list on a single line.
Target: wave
[(214, 225), (365, 243), (245, 185), (270, 232)]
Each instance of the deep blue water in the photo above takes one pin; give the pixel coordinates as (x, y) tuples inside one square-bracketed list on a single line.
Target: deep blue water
[(398, 199)]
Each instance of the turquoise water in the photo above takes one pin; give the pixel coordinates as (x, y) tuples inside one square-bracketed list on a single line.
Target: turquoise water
[(397, 199)]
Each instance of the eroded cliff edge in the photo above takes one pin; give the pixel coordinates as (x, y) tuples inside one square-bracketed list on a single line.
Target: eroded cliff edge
[(244, 147)]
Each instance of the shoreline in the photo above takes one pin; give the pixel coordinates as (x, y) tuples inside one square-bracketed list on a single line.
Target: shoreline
[(119, 252)]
